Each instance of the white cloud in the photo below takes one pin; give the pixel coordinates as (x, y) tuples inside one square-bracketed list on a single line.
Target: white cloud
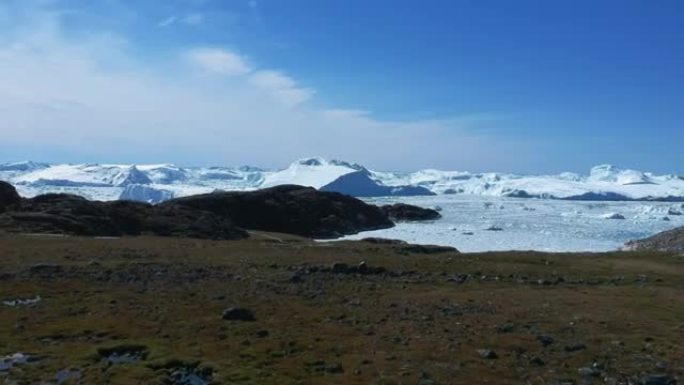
[(281, 86), (219, 61), (63, 100)]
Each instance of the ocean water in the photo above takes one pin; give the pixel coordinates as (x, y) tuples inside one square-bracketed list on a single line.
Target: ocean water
[(475, 223)]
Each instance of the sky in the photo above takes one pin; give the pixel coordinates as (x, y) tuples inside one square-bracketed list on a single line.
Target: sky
[(525, 86)]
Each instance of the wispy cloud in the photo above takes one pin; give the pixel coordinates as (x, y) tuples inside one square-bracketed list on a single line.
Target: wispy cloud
[(281, 87), (219, 61), (191, 19)]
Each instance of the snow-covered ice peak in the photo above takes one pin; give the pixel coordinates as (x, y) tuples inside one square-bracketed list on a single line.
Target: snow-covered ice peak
[(318, 161), (26, 165), (107, 181), (611, 174), (314, 172)]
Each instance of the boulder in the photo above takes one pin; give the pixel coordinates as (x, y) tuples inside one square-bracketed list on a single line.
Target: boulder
[(238, 314), (400, 212)]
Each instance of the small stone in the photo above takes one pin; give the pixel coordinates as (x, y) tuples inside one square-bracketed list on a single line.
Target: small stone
[(545, 340), (589, 372), (340, 268), (505, 328), (537, 361), (334, 368), (238, 314), (659, 379), (425, 379), (576, 347), (487, 354)]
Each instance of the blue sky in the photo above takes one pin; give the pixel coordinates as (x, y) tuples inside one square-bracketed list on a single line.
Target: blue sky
[(520, 86)]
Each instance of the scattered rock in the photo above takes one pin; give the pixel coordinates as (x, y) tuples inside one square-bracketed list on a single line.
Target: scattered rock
[(564, 381), (425, 379), (575, 347), (384, 241), (22, 302), (262, 334), (589, 371), (7, 362), (238, 314), (537, 361), (494, 228), (487, 354), (340, 268), (658, 379), (123, 354), (505, 328), (545, 340), (427, 249)]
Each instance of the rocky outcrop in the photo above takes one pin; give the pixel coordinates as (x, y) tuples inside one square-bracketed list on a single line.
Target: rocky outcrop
[(8, 196), (401, 212), (74, 215), (223, 215), (671, 240), (291, 209)]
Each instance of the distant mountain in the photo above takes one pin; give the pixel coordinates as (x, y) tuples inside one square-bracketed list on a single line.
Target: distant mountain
[(159, 182)]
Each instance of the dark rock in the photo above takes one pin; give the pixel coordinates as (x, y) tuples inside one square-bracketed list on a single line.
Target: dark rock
[(505, 328), (402, 212), (384, 241), (659, 379), (564, 381), (576, 347), (459, 278), (340, 268), (238, 314), (425, 379), (427, 249), (8, 196), (487, 354), (291, 209), (537, 361), (45, 269), (262, 334), (545, 340), (334, 368), (589, 371)]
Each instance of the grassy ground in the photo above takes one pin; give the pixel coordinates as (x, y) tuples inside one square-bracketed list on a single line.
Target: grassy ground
[(613, 317)]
